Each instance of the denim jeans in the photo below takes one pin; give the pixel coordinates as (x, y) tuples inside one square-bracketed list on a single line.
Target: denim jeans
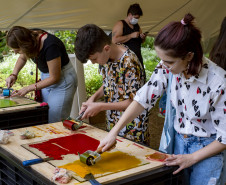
[(204, 171), (162, 104), (60, 96), (223, 177)]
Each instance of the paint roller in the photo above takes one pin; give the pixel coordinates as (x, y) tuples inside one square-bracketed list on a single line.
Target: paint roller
[(91, 157), (7, 92), (72, 125)]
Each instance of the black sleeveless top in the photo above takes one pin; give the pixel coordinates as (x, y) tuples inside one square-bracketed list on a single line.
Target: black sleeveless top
[(53, 48), (135, 43)]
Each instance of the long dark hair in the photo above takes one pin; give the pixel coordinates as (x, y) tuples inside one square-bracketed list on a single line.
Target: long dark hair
[(182, 37), (24, 39), (218, 52)]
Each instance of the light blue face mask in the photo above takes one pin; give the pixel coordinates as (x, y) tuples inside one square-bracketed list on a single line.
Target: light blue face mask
[(133, 21)]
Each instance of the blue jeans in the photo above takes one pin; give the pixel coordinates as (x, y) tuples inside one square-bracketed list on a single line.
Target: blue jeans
[(204, 171), (162, 104), (223, 177), (60, 96)]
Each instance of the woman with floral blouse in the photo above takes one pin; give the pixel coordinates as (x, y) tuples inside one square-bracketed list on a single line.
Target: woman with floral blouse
[(198, 95)]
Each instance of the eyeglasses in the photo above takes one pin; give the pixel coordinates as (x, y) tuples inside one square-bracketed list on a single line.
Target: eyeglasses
[(166, 67)]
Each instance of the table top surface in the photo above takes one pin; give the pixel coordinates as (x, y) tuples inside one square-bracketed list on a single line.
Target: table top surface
[(56, 130), (14, 104)]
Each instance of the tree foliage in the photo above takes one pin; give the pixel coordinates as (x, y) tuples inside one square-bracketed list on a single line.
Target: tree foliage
[(4, 49), (68, 38)]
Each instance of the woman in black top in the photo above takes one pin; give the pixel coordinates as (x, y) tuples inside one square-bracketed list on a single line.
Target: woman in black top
[(59, 80)]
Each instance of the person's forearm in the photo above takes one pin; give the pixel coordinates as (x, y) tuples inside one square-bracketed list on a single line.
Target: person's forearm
[(210, 150), (97, 95), (21, 61), (121, 39), (44, 83), (121, 106), (134, 110)]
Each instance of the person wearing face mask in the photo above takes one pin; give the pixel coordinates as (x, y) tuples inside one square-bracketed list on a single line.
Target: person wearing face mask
[(128, 31), (122, 77)]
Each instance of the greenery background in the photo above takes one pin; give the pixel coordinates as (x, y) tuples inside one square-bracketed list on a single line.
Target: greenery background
[(92, 78)]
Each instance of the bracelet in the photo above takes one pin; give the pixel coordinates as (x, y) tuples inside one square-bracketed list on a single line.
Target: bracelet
[(35, 86), (13, 75)]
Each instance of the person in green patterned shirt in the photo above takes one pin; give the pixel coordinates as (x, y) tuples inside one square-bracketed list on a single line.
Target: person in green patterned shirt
[(123, 76)]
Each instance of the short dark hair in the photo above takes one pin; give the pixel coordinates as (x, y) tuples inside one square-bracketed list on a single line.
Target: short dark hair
[(24, 39), (89, 40), (182, 37), (135, 9)]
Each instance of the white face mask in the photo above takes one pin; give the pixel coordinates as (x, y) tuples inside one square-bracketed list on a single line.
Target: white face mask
[(133, 21)]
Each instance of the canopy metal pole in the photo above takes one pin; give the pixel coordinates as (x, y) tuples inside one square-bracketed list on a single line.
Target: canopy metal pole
[(168, 16), (34, 6)]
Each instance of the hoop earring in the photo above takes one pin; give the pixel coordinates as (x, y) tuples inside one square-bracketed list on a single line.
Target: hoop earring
[(188, 66)]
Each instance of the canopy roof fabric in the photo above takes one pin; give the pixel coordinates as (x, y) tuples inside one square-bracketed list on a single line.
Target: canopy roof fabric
[(72, 14)]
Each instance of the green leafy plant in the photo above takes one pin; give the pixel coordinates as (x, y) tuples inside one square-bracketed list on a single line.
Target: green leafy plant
[(148, 43), (150, 61), (25, 77), (4, 49), (93, 80), (68, 38)]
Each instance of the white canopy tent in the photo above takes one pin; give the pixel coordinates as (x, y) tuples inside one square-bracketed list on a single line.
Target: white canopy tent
[(72, 14)]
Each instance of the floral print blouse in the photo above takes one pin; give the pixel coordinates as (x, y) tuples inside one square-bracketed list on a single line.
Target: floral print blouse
[(200, 101), (121, 81)]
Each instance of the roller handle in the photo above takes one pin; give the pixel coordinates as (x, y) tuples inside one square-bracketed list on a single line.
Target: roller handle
[(94, 182), (32, 161), (79, 117)]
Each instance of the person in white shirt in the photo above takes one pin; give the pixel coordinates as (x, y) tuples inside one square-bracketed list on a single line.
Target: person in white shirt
[(198, 95)]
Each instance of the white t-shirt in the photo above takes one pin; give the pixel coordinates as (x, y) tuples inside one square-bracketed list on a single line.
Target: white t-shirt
[(200, 101)]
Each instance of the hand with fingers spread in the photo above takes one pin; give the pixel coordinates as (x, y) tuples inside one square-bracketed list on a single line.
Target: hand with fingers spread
[(21, 92), (109, 142), (183, 161)]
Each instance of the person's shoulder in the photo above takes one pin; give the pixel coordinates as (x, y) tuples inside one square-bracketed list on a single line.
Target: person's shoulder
[(131, 57), (52, 40), (52, 37), (118, 24), (218, 72)]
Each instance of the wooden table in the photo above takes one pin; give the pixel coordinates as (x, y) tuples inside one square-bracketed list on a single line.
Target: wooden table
[(26, 113), (13, 153)]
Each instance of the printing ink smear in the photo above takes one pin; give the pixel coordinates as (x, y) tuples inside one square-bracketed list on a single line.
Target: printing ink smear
[(109, 163), (72, 144), (157, 157)]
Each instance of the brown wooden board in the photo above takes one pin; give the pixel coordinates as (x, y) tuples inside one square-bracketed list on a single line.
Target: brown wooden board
[(56, 130), (16, 103), (6, 102), (102, 168)]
